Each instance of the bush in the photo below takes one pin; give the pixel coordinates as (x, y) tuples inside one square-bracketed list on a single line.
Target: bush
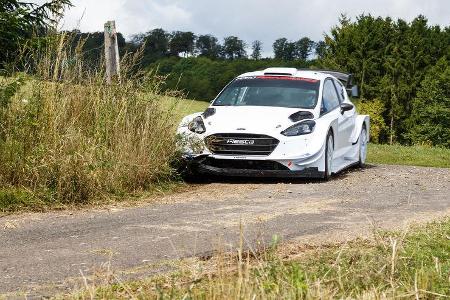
[(374, 109), (430, 118), (66, 133)]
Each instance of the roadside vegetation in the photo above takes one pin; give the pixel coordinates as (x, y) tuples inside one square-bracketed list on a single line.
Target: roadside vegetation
[(412, 264), (424, 156), (67, 138)]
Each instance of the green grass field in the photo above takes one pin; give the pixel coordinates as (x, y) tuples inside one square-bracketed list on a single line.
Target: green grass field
[(413, 155), (405, 265)]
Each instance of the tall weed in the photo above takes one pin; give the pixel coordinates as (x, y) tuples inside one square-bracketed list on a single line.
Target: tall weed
[(67, 134)]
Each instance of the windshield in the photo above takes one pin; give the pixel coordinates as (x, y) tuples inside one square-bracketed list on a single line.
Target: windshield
[(270, 91)]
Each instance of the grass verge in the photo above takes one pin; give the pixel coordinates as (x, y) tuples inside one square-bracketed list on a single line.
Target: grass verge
[(409, 155), (68, 138), (410, 264)]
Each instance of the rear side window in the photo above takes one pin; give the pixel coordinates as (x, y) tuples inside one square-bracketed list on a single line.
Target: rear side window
[(340, 90), (330, 98)]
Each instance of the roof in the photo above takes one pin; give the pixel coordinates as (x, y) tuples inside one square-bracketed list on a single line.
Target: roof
[(306, 73)]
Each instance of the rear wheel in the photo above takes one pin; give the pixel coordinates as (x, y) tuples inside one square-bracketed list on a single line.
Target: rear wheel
[(329, 149), (362, 147)]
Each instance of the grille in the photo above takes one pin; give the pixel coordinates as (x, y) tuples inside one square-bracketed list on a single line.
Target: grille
[(241, 144), (264, 165)]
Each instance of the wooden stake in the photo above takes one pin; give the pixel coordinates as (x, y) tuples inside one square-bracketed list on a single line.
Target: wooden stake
[(112, 59)]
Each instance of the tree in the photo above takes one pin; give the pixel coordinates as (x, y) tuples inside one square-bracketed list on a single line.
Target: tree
[(182, 42), (233, 48), (388, 60), (430, 116), (284, 49), (256, 47), (320, 49), (20, 21), (303, 48), (279, 48), (155, 43), (208, 46)]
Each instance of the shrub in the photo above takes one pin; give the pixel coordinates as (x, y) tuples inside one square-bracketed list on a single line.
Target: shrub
[(65, 132), (374, 109), (430, 118)]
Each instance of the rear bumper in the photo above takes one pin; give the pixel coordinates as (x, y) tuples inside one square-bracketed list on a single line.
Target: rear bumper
[(203, 165)]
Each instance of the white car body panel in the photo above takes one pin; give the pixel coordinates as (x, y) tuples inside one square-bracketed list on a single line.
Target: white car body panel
[(296, 153)]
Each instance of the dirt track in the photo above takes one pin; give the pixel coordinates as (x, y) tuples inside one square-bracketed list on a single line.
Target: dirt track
[(40, 252)]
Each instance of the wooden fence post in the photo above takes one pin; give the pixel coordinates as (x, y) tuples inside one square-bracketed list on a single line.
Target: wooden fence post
[(112, 59)]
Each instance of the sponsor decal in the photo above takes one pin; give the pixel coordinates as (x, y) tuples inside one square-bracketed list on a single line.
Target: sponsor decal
[(287, 78), (240, 142)]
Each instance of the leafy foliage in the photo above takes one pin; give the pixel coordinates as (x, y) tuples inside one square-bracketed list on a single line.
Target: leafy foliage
[(182, 42), (375, 110), (430, 117), (287, 50), (208, 46), (20, 20), (389, 60), (256, 47), (234, 48)]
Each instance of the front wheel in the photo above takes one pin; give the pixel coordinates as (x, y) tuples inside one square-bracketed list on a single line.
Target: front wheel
[(329, 149), (362, 147)]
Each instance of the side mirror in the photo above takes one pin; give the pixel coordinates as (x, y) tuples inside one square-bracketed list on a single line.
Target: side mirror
[(353, 91), (346, 107)]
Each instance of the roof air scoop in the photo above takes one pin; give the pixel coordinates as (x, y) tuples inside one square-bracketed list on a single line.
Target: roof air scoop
[(210, 111), (280, 71)]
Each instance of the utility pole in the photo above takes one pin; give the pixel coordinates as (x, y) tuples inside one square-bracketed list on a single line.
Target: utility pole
[(111, 52)]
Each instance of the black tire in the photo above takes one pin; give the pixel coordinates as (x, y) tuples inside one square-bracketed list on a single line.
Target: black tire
[(361, 162), (327, 174)]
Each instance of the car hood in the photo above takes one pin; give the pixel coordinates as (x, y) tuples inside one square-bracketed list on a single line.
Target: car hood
[(250, 119)]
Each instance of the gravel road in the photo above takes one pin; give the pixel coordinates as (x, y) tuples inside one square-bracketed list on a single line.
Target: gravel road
[(44, 253)]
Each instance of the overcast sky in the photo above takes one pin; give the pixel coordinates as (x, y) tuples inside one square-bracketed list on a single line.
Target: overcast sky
[(264, 20)]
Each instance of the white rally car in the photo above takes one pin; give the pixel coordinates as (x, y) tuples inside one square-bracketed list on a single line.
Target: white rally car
[(280, 122)]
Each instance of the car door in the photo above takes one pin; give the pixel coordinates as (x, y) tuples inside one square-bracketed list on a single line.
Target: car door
[(330, 109), (346, 121)]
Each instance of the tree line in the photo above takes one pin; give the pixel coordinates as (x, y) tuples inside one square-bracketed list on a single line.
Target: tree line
[(159, 43)]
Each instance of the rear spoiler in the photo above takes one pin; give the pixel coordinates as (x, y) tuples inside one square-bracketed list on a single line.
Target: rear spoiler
[(345, 78)]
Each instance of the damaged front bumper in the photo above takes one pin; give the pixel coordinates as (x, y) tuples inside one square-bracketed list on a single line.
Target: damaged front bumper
[(206, 164)]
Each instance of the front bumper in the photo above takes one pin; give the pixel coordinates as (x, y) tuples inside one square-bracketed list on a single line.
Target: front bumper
[(248, 168)]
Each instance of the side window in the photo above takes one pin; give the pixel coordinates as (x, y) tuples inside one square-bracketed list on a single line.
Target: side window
[(330, 99), (341, 91)]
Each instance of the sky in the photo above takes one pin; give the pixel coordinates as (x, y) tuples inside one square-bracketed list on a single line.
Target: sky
[(264, 20)]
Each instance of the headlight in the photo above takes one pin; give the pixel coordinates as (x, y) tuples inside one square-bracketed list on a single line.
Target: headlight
[(301, 128), (197, 125)]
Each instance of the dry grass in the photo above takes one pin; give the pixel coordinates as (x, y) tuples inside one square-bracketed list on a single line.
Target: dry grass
[(414, 264), (67, 137)]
